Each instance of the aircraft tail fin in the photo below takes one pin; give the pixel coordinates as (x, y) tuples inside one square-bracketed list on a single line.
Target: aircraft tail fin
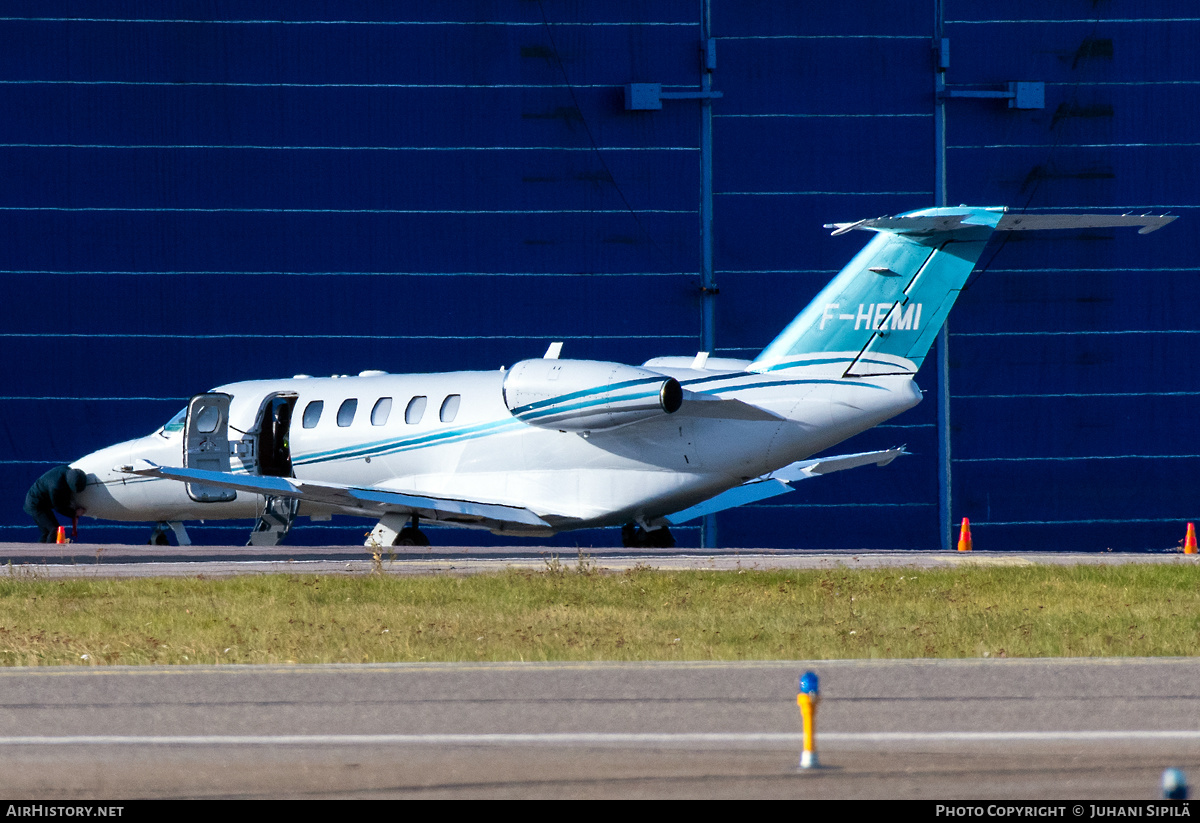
[(884, 309)]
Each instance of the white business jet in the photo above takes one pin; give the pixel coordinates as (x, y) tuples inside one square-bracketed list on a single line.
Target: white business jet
[(550, 444)]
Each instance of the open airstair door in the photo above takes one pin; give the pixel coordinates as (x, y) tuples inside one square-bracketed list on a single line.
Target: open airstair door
[(274, 455), (206, 444)]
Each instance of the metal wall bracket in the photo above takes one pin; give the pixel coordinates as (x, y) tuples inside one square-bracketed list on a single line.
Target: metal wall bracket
[(649, 96), (1019, 95)]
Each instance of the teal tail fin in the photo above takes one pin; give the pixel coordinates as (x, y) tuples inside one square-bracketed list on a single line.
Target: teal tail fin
[(884, 309)]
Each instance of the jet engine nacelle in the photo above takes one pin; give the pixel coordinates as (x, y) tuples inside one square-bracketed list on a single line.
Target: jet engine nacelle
[(587, 395)]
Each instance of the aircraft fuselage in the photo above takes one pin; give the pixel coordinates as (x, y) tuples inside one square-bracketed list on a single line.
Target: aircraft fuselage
[(452, 435)]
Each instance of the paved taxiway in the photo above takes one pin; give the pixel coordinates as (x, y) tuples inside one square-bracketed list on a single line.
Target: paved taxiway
[(1020, 729), (1023, 729), (85, 560)]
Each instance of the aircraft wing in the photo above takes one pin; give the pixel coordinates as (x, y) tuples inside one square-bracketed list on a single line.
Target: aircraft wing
[(372, 502), (779, 482)]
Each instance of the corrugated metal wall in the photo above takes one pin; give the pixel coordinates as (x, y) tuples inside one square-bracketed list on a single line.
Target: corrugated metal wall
[(827, 116), (1072, 358), (199, 193)]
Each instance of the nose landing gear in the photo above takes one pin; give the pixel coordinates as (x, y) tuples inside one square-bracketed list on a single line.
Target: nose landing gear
[(158, 537)]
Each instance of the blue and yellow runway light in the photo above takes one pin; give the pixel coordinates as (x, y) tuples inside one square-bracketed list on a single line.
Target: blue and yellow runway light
[(808, 698)]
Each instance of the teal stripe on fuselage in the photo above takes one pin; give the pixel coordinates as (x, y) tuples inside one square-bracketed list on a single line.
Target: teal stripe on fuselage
[(528, 407), (552, 411), (473, 432), (813, 381), (735, 386), (396, 445), (796, 363), (801, 362), (441, 438)]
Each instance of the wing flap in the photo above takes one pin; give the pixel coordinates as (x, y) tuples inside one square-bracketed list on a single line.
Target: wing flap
[(357, 499)]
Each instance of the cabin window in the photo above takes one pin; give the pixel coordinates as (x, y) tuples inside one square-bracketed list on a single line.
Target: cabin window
[(450, 408), (312, 413), (379, 414), (415, 410), (346, 412), (207, 419)]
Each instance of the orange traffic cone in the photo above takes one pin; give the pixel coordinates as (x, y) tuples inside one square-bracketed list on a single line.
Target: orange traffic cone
[(62, 535), (1189, 542), (964, 536)]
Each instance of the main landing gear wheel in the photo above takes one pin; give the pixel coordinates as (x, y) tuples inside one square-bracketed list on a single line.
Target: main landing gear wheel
[(635, 537), (411, 535)]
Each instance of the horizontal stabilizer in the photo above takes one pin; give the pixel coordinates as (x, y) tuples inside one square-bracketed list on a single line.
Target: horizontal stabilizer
[(922, 224), (779, 482), (354, 499), (804, 469), (1145, 223), (927, 221), (886, 306)]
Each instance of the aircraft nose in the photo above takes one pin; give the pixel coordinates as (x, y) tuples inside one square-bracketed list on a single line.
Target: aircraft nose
[(97, 498), (105, 485)]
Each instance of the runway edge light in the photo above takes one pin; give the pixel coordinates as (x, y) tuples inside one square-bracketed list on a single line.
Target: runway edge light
[(1174, 785), (807, 699), (1189, 542), (964, 536)]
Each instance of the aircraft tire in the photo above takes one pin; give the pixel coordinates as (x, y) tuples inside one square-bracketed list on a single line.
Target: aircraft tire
[(409, 536), (635, 537), (660, 539)]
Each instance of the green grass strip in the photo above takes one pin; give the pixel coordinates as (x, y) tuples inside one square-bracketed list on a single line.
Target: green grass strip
[(573, 612)]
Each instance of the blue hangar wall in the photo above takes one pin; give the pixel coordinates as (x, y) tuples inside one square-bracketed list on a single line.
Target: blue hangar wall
[(201, 192)]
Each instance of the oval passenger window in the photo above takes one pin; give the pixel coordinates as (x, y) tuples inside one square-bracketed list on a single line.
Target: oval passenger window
[(383, 408), (415, 410), (312, 413)]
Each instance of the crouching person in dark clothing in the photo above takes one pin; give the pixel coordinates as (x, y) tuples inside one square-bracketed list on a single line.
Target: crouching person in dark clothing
[(55, 491)]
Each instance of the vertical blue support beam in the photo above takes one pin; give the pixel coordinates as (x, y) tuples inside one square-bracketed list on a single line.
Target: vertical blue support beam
[(708, 284), (649, 97), (945, 512), (941, 63), (708, 281)]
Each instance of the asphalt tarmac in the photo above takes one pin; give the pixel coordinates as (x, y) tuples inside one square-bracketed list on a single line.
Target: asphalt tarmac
[(1080, 729), (943, 730), (86, 560)]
